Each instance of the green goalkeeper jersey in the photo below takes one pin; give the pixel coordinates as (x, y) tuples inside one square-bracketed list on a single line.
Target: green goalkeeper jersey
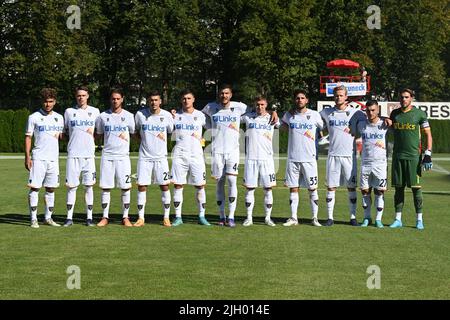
[(407, 127)]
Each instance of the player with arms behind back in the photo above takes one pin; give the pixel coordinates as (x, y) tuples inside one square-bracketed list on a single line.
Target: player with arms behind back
[(46, 126), (224, 119), (259, 165), (79, 123), (188, 162), (301, 167), (153, 126), (373, 174), (116, 125), (341, 161)]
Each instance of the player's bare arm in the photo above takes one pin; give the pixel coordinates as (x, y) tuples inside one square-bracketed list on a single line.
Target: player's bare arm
[(273, 117), (429, 138), (28, 161)]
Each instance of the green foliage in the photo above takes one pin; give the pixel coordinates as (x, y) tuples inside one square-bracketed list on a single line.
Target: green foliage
[(18, 130), (187, 262), (260, 46), (439, 131), (6, 129)]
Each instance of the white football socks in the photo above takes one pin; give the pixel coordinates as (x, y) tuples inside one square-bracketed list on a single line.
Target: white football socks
[(352, 204), (330, 203), (367, 204), (178, 201), (33, 199), (106, 199), (232, 195), (165, 200), (89, 198), (220, 196), (49, 204), (250, 202), (126, 198), (70, 202), (200, 195), (141, 201), (293, 201), (314, 202), (379, 204), (268, 203)]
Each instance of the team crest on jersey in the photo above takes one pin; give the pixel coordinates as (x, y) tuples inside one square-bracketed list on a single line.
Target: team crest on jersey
[(347, 113), (161, 119), (179, 118), (195, 118), (56, 119), (308, 117), (74, 115), (107, 119), (42, 119), (123, 119), (232, 109), (89, 114)]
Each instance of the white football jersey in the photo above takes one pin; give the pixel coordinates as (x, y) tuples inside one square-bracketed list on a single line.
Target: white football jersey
[(46, 129), (153, 129), (188, 130), (80, 125), (302, 135), (342, 143), (116, 129), (225, 123), (374, 138), (259, 136)]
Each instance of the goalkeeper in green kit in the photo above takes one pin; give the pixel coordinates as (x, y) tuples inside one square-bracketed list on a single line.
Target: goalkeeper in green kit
[(407, 162)]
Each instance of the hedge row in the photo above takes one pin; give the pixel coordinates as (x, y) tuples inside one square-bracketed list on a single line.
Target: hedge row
[(440, 130), (12, 129)]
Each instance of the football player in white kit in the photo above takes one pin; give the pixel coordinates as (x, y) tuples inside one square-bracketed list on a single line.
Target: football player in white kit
[(341, 161), (79, 124), (301, 167), (47, 127), (116, 125), (224, 118), (188, 163), (373, 132), (153, 126), (259, 166)]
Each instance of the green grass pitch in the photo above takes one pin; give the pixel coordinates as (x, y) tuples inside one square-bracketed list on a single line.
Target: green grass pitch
[(198, 262)]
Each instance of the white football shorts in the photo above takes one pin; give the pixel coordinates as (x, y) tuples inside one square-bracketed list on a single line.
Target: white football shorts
[(83, 166), (259, 172), (302, 174), (115, 170), (189, 170), (373, 175), (341, 171), (224, 163), (153, 172), (44, 173)]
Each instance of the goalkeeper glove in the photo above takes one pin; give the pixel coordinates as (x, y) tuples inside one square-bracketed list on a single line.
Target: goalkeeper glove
[(426, 162)]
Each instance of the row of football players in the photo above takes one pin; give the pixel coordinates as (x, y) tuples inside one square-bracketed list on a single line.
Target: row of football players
[(153, 124)]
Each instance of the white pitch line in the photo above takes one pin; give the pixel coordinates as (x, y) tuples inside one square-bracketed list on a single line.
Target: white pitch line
[(438, 168)]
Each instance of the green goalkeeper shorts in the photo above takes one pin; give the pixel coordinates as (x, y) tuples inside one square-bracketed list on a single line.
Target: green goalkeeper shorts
[(406, 172)]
